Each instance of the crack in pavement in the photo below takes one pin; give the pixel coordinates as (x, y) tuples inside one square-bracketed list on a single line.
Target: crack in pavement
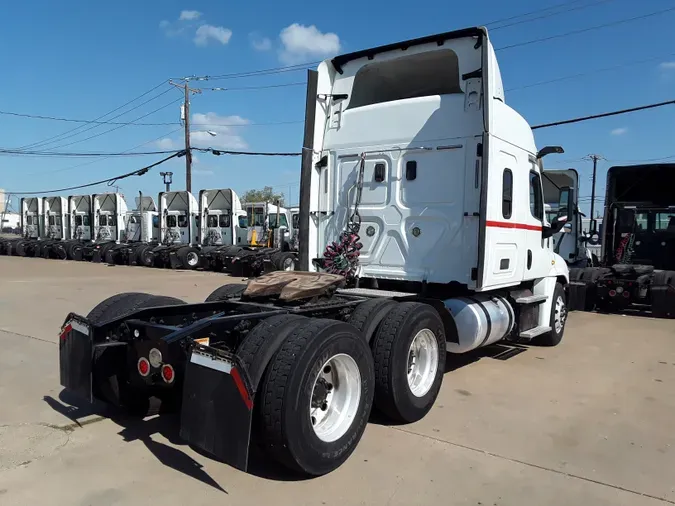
[(536, 466), (26, 335)]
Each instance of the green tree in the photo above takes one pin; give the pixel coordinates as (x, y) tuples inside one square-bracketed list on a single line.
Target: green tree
[(265, 195)]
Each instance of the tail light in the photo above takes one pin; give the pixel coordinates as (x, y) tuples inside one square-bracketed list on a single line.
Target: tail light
[(626, 294), (612, 293), (168, 374), (143, 366)]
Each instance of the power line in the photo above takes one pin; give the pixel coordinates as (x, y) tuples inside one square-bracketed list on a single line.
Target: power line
[(590, 72), (35, 144), (110, 181), (584, 30), (92, 127), (550, 14), (61, 154), (537, 11), (117, 127), (219, 152), (105, 157), (604, 115)]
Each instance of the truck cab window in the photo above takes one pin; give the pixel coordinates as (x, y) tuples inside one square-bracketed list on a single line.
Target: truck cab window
[(507, 194), (296, 220), (29, 220), (224, 221), (243, 222), (78, 221), (536, 201), (103, 220), (171, 220), (85, 220), (212, 221), (282, 219), (182, 220), (112, 222), (155, 221), (664, 222), (52, 220)]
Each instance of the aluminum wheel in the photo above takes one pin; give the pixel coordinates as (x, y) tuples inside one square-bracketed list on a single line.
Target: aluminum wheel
[(560, 315), (192, 259), (422, 362), (335, 398), (289, 264)]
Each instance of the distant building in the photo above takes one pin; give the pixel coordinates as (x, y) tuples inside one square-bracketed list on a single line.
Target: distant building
[(10, 221)]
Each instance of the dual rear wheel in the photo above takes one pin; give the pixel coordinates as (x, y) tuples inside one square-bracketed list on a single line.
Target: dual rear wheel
[(317, 380)]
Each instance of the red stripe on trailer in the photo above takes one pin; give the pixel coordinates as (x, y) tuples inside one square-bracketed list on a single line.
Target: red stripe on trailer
[(241, 387), (65, 331), (521, 226)]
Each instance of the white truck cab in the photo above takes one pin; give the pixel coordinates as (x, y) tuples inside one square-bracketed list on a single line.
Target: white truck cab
[(57, 223), (262, 218), (178, 215), (142, 223), (80, 208), (31, 218), (423, 175), (220, 216), (110, 210)]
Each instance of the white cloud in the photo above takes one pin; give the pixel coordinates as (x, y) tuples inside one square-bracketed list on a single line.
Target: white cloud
[(667, 65), (189, 15), (303, 43), (260, 43), (165, 143), (217, 33), (225, 128), (619, 131)]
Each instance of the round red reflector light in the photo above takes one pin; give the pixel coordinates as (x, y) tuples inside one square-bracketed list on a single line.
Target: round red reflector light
[(626, 294), (612, 293), (143, 366), (167, 373)]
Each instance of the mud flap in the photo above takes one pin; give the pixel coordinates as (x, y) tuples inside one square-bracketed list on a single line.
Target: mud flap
[(663, 301), (576, 296), (217, 406), (174, 261), (75, 357)]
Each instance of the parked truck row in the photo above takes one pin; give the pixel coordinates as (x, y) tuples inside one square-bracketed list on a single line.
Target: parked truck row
[(636, 268), (422, 231), (215, 232)]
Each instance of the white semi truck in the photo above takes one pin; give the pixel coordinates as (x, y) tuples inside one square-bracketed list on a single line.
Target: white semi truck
[(422, 231), (56, 228), (139, 237), (261, 231), (178, 232), (32, 230)]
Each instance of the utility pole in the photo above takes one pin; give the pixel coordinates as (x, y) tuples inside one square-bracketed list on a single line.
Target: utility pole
[(185, 117), (594, 158), (167, 180)]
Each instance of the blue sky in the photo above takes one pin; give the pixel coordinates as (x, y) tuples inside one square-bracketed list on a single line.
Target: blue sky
[(80, 59)]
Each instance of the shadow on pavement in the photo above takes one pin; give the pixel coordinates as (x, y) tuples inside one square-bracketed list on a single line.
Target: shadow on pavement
[(167, 426)]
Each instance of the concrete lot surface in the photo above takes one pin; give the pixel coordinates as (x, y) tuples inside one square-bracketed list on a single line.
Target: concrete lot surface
[(589, 422)]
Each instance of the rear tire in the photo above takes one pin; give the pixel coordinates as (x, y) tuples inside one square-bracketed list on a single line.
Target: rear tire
[(285, 262), (368, 315), (309, 423), (557, 320), (189, 257), (409, 350), (225, 292)]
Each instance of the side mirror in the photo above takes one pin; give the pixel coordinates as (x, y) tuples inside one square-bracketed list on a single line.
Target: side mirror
[(554, 228), (549, 150)]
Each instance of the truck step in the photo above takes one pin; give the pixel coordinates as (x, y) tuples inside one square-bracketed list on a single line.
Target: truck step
[(531, 299), (372, 292), (536, 331)]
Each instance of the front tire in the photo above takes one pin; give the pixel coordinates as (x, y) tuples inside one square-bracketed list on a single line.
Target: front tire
[(409, 350), (316, 397), (557, 321), (189, 257)]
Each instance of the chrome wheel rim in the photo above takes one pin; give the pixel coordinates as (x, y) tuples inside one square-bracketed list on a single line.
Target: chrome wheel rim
[(192, 259), (336, 396), (422, 362), (560, 314)]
